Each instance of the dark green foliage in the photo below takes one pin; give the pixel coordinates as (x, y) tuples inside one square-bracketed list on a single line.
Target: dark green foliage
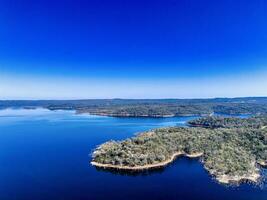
[(229, 122), (232, 150), (151, 107)]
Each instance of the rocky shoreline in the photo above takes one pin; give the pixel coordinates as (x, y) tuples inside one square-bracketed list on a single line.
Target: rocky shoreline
[(223, 179), (227, 179), (262, 163)]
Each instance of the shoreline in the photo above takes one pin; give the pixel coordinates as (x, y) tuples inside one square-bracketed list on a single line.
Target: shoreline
[(226, 179), (223, 179), (124, 115), (146, 167), (141, 116), (262, 163)]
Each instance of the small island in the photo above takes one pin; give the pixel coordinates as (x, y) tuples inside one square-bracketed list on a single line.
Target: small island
[(231, 149)]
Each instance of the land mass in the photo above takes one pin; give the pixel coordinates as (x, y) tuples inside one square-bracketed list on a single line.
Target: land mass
[(231, 149), (150, 107)]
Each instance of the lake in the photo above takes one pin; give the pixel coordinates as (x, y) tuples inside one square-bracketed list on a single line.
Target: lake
[(45, 155)]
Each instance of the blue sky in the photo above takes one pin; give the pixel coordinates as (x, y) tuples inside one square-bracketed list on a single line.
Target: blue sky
[(132, 49)]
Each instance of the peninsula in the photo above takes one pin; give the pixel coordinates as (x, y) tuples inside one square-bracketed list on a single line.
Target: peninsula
[(231, 149)]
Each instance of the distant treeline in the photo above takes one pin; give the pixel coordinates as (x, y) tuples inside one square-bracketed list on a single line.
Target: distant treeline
[(229, 122), (151, 107)]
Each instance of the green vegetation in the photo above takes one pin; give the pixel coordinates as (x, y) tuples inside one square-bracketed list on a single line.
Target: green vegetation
[(151, 107), (230, 153), (229, 122)]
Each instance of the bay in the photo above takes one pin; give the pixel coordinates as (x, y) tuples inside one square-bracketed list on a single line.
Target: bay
[(45, 155)]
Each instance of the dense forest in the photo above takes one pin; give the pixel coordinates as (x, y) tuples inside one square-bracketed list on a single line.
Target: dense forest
[(232, 151), (151, 107), (229, 122)]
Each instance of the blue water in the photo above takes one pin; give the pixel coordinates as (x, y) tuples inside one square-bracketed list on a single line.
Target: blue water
[(44, 155)]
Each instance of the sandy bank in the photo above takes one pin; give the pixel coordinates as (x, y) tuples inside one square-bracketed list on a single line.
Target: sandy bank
[(150, 166)]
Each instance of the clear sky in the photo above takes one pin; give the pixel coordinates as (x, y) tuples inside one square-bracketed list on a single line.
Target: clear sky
[(52, 49)]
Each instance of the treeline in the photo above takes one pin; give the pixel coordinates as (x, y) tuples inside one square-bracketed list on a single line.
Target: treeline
[(151, 110), (151, 107), (229, 122)]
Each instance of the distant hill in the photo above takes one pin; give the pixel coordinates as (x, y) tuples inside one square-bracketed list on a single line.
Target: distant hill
[(149, 107)]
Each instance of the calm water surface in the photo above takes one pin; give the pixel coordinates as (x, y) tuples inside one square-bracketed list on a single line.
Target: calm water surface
[(44, 155)]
